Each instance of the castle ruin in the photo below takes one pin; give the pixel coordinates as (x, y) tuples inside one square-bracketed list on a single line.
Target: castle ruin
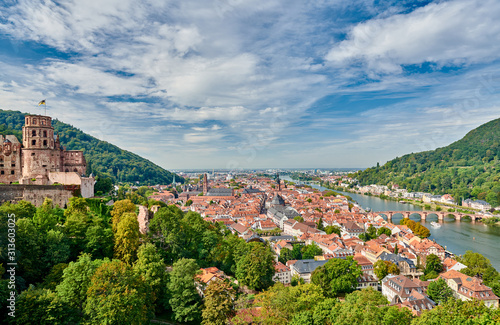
[(41, 160)]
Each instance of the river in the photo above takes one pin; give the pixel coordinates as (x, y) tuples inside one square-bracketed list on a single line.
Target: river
[(457, 237)]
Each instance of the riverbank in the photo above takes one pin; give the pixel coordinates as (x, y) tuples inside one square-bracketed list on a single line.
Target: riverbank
[(456, 236)]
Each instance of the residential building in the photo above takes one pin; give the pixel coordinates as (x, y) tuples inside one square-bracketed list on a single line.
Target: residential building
[(467, 288)]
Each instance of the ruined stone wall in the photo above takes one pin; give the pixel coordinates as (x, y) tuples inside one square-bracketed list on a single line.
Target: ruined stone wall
[(87, 186), (74, 161), (35, 194), (143, 219)]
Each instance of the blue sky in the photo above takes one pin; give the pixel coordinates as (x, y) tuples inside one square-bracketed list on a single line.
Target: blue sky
[(256, 83)]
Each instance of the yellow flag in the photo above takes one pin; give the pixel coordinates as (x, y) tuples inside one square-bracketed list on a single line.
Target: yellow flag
[(42, 102)]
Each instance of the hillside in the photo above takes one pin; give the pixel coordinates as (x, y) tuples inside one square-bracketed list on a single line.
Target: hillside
[(468, 168), (103, 158)]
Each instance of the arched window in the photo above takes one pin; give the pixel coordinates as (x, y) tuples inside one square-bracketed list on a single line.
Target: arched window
[(67, 170), (44, 142), (33, 133), (75, 170)]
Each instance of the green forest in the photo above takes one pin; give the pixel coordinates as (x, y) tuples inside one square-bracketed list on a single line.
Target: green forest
[(468, 168), (103, 158), (90, 264)]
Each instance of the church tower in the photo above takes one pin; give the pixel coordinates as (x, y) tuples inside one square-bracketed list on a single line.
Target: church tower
[(205, 184)]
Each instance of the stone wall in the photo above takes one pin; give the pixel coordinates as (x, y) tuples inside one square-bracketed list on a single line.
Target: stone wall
[(36, 194)]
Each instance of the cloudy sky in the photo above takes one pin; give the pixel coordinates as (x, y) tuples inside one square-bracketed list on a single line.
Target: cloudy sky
[(256, 83)]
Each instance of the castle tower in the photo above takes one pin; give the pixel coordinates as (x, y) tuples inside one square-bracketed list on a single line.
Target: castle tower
[(39, 156)]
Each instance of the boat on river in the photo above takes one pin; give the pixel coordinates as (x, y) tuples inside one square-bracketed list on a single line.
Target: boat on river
[(435, 224)]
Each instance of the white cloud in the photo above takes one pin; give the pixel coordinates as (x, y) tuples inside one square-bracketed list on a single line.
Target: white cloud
[(446, 33), (207, 113)]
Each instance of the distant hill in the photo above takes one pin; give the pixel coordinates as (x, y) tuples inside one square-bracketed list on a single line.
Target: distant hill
[(103, 158), (468, 168)]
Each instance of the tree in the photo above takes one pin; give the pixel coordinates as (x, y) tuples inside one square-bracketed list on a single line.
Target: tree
[(382, 268), (337, 276), (185, 301), (320, 224), (44, 307), (57, 249), (99, 241), (456, 311), (477, 264), (76, 205), (433, 266), (372, 231), (285, 255), (256, 268), (120, 208), (54, 277), (44, 218), (29, 242), (333, 229), (279, 304), (439, 291), (114, 289), (103, 185), (152, 269), (219, 303), (76, 279), (127, 238), (309, 251)]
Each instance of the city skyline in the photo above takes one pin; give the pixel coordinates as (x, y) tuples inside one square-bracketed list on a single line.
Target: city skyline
[(252, 84)]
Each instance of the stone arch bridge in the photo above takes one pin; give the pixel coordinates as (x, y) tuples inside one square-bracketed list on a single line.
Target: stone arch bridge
[(425, 214)]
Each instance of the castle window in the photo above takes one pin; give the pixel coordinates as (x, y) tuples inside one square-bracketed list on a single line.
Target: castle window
[(32, 154), (67, 170), (34, 121), (1, 165), (13, 165), (44, 134), (43, 122), (2, 172), (33, 133), (75, 170), (12, 172), (44, 142), (33, 142)]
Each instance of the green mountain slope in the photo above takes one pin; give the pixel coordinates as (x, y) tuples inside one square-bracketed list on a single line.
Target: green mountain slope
[(468, 168), (103, 158)]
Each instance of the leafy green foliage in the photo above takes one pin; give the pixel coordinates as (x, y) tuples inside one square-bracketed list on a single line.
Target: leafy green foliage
[(433, 267), (185, 301), (114, 289), (417, 228), (103, 158), (280, 303), (256, 268), (468, 168), (76, 279), (152, 269), (219, 303), (478, 265), (127, 238), (333, 230), (383, 268), (439, 291), (43, 306), (455, 311), (337, 276)]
